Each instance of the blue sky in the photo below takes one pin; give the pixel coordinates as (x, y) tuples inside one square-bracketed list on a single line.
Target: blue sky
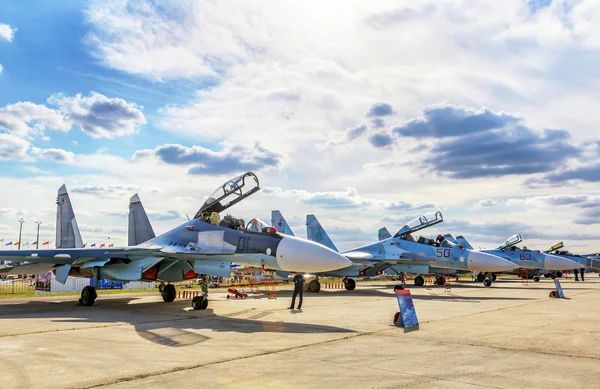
[(365, 114)]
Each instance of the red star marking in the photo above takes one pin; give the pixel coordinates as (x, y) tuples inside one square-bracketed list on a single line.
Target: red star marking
[(280, 223), (65, 205)]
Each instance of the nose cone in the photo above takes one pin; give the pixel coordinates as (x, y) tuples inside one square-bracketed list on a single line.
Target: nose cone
[(555, 262), (485, 262), (301, 255)]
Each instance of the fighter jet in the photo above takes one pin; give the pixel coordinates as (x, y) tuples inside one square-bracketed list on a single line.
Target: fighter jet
[(204, 245), (525, 258), (591, 261), (402, 249)]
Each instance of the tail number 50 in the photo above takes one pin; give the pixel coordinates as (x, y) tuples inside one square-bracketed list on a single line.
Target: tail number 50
[(443, 253)]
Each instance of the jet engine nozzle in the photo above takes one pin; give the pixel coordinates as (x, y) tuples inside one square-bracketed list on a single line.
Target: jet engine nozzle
[(484, 262), (555, 262), (294, 254)]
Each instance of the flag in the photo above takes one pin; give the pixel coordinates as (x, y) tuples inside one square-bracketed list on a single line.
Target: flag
[(46, 242), (8, 244), (102, 245), (93, 245), (35, 242), (17, 243)]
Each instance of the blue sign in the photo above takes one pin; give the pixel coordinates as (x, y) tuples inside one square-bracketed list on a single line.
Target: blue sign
[(408, 315), (559, 288)]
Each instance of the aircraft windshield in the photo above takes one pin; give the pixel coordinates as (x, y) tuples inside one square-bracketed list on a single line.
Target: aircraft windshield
[(421, 222), (230, 193), (512, 241), (257, 225)]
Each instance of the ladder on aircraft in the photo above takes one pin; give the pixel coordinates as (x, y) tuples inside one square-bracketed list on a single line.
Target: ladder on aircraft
[(524, 276), (269, 281), (254, 285), (446, 280)]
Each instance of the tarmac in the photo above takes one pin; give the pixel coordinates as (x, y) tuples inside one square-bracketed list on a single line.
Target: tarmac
[(511, 335)]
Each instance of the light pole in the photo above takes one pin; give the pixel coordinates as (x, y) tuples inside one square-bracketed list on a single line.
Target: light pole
[(37, 241), (21, 221)]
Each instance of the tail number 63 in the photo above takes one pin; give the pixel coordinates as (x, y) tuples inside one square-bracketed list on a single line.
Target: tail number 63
[(525, 257), (443, 253)]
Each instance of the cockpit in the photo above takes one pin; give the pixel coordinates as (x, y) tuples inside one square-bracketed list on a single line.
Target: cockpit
[(259, 226), (418, 224), (231, 192), (511, 243)]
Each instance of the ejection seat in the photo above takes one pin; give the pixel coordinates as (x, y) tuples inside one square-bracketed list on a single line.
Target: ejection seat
[(215, 218)]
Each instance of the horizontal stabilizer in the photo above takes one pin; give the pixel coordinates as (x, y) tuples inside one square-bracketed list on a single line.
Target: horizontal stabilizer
[(29, 268)]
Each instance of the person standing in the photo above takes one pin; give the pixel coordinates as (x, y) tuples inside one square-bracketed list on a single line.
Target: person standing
[(298, 290), (576, 271), (581, 271)]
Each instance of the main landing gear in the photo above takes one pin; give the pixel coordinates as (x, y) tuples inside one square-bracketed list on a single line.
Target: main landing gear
[(314, 286), (88, 293), (168, 293), (349, 283), (419, 281), (486, 278)]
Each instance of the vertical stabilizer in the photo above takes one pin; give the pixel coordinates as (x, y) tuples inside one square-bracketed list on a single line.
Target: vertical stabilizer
[(67, 231), (451, 239), (461, 240), (139, 228), (383, 234), (278, 221), (316, 233)]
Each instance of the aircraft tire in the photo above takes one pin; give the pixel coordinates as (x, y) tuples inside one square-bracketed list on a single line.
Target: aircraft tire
[(419, 281), (559, 274), (480, 277), (197, 303), (493, 276), (314, 286), (398, 287), (536, 279), (487, 282), (350, 284), (168, 293), (88, 296)]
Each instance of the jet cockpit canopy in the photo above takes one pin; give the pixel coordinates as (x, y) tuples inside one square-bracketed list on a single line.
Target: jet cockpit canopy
[(231, 192), (512, 241), (556, 246), (420, 223), (259, 226)]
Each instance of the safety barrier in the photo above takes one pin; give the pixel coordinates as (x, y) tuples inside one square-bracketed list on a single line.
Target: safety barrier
[(333, 286), (188, 294)]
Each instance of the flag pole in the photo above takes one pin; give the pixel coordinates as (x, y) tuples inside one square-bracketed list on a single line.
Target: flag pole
[(37, 241), (21, 221)]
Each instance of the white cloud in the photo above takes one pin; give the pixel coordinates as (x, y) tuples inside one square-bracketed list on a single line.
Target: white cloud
[(1, 68), (96, 115), (7, 32), (13, 148), (55, 155), (99, 116)]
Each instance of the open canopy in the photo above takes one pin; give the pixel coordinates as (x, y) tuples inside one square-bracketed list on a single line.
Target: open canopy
[(556, 246), (421, 222), (231, 192), (513, 240)]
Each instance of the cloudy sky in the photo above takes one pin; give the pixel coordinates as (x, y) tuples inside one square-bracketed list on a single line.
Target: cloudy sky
[(364, 113)]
